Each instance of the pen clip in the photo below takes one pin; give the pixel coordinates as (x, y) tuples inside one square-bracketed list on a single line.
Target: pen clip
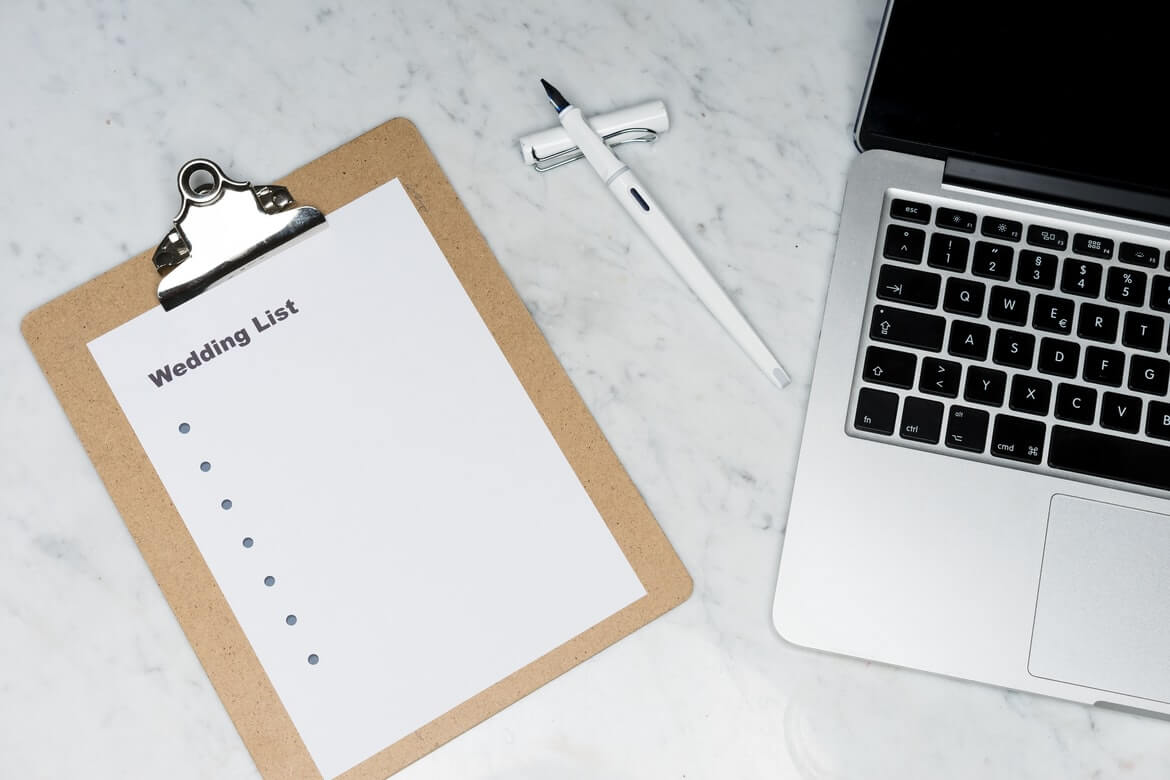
[(628, 135)]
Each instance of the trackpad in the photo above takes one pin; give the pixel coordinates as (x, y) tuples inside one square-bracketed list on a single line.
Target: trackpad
[(1103, 610)]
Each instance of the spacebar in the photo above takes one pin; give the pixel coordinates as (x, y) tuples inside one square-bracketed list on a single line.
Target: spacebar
[(1112, 457)]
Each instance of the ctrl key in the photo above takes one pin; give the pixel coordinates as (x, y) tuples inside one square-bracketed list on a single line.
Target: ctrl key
[(876, 411)]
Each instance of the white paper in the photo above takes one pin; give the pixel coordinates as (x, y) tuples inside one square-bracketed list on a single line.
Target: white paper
[(418, 518)]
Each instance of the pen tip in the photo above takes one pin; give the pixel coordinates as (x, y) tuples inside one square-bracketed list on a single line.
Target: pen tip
[(554, 96)]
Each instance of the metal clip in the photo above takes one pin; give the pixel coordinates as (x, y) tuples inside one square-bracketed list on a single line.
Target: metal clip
[(628, 136), (551, 148), (222, 226)]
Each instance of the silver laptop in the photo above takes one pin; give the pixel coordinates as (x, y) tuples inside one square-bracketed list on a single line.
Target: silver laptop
[(984, 480)]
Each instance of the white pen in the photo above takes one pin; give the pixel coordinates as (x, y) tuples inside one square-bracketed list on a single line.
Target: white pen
[(644, 210)]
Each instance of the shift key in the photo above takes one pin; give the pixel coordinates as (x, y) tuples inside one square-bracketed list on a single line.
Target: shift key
[(907, 328)]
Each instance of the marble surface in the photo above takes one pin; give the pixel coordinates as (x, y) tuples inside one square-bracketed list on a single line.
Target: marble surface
[(104, 100)]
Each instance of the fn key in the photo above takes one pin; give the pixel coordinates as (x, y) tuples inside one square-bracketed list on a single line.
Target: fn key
[(876, 411)]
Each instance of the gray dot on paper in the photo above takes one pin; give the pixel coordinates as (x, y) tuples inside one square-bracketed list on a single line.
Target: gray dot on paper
[(226, 503), (291, 620), (313, 659), (248, 541), (270, 580), (205, 466), (184, 428)]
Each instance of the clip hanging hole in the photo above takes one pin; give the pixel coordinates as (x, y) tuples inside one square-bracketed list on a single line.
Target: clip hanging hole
[(200, 181)]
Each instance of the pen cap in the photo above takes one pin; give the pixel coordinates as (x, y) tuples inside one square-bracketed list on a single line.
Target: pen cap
[(651, 116)]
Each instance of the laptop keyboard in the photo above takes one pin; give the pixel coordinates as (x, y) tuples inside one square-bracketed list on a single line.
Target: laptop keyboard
[(1036, 346)]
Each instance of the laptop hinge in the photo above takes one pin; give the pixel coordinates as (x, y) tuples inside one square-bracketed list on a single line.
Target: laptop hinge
[(1057, 189)]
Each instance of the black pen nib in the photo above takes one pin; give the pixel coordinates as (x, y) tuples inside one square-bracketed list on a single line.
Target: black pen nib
[(555, 97)]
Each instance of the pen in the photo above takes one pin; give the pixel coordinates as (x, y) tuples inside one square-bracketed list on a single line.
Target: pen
[(644, 210)]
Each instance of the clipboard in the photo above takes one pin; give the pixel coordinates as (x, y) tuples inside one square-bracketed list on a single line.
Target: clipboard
[(59, 331)]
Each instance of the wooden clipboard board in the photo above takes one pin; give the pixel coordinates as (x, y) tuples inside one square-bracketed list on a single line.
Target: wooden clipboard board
[(59, 331)]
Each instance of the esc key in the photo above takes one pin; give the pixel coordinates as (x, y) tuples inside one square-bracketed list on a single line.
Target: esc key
[(910, 211)]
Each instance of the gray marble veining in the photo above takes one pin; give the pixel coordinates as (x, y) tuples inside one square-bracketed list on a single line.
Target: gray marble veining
[(103, 102)]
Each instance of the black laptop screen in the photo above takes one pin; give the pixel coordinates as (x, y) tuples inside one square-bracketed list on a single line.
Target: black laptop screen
[(1068, 88)]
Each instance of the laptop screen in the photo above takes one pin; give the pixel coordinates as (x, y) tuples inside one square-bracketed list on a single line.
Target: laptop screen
[(1067, 88)]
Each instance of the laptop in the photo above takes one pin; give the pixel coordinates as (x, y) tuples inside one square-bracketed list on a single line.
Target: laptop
[(983, 488)]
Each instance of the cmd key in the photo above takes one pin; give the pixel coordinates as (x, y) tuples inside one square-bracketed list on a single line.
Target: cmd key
[(1015, 438)]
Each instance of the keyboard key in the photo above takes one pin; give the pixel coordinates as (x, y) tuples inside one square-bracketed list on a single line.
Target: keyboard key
[(1125, 286), (1037, 269), (889, 367), (952, 219), (1137, 254), (910, 211), (1013, 348), (876, 411), (921, 420), (1093, 246), (985, 386), (903, 243), (940, 377), (1158, 420), (1030, 394), (1121, 412), (906, 285), (1038, 235), (907, 328), (1098, 323), (1160, 293), (1148, 375), (1111, 457), (1005, 229), (964, 296), (1053, 314), (992, 260), (1076, 404), (1080, 278), (1142, 331), (1104, 366), (948, 252), (969, 340), (1015, 438), (967, 428), (1007, 304), (1058, 357)]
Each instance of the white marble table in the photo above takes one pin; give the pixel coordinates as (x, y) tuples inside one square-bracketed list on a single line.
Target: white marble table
[(101, 103)]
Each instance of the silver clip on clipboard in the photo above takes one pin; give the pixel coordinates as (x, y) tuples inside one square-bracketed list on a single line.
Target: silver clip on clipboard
[(222, 226)]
